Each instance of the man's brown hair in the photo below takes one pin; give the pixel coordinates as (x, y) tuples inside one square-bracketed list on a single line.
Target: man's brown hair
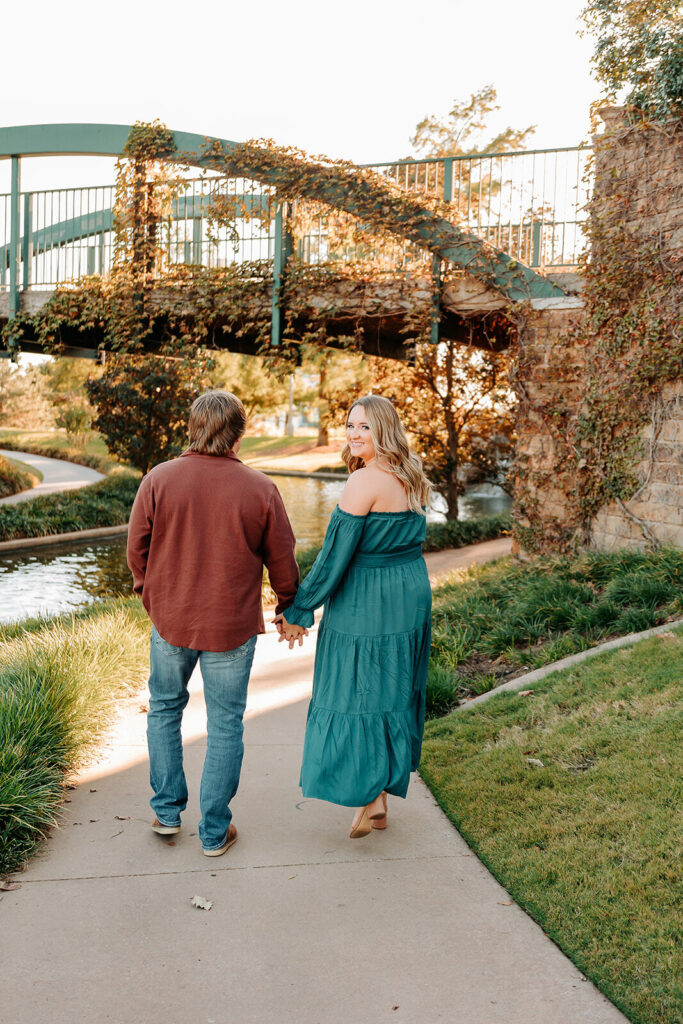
[(217, 421)]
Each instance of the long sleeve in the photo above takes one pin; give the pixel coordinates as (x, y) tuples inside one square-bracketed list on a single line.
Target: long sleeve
[(140, 533), (341, 540), (278, 553)]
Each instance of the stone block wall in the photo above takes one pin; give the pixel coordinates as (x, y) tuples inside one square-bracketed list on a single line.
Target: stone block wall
[(548, 380), (643, 168), (639, 176), (657, 510)]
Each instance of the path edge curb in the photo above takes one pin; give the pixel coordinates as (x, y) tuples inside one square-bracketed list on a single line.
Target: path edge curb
[(522, 682), (20, 543)]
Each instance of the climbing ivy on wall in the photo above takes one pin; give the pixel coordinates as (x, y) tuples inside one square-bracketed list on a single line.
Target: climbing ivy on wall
[(630, 340)]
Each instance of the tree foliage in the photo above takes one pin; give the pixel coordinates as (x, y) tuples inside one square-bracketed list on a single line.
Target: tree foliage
[(460, 132), (333, 377), (639, 49), (25, 401), (142, 405), (458, 406), (260, 391)]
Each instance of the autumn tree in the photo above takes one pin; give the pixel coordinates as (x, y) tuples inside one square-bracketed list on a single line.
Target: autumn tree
[(457, 404), (332, 376), (24, 397), (261, 392), (142, 405), (462, 132), (638, 55)]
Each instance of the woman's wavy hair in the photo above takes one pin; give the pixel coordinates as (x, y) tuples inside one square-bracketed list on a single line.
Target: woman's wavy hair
[(392, 450)]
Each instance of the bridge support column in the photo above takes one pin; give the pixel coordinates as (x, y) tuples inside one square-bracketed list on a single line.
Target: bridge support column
[(15, 235), (281, 252), (436, 260), (548, 379)]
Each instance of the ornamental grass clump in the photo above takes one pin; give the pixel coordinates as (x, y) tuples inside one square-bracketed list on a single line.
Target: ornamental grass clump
[(12, 479), (494, 622), (58, 691)]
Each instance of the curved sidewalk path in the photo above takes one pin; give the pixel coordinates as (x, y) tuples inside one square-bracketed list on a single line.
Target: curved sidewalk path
[(58, 475), (307, 926)]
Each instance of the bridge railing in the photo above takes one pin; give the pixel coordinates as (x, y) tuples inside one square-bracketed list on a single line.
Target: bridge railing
[(528, 204)]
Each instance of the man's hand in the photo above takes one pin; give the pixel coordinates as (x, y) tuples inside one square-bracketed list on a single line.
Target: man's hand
[(289, 632)]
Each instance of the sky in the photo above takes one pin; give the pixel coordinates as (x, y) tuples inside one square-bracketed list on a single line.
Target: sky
[(349, 79)]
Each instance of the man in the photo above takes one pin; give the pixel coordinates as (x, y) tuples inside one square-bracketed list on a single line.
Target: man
[(201, 528)]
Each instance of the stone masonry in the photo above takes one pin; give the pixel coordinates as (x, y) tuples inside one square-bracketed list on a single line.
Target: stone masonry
[(647, 163)]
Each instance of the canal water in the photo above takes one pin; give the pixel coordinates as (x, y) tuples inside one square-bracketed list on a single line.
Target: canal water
[(63, 578)]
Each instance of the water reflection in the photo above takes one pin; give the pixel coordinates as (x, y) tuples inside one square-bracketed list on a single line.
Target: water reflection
[(63, 578)]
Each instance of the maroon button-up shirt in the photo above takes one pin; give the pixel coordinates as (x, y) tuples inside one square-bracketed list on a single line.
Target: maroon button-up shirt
[(201, 529)]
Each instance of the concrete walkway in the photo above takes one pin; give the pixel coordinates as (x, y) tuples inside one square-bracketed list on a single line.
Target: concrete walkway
[(307, 926), (58, 475)]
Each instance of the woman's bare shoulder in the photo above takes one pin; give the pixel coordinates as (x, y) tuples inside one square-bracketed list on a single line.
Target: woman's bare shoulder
[(389, 493), (359, 492)]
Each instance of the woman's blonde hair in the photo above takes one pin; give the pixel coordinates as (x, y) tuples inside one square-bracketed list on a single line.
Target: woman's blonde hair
[(392, 449)]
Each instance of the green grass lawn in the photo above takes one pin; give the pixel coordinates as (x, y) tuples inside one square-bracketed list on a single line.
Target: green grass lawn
[(275, 445), (496, 621), (571, 796), (55, 444)]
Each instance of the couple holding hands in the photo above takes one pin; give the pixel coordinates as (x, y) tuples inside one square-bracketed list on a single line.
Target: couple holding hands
[(201, 529)]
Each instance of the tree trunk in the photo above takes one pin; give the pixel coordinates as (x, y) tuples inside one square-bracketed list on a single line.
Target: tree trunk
[(323, 434), (452, 493), (323, 410), (289, 428), (452, 483)]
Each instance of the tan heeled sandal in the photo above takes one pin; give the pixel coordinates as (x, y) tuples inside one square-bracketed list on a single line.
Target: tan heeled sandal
[(362, 826), (378, 815)]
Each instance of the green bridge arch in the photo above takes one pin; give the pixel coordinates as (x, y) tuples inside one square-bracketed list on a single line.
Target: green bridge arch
[(497, 269)]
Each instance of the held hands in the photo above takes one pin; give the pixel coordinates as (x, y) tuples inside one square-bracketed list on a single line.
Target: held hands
[(288, 632)]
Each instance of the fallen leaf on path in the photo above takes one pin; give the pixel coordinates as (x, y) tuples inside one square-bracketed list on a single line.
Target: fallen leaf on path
[(119, 833), (291, 877), (93, 790), (201, 903), (395, 1007), (8, 885), (93, 820), (525, 693), (122, 817), (505, 903), (171, 842)]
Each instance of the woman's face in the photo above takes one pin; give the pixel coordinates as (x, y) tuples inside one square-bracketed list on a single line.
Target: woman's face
[(359, 435)]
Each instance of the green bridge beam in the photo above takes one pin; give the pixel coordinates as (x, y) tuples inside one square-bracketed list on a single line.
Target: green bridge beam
[(516, 281)]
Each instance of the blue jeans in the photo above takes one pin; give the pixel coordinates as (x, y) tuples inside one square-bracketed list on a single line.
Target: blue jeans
[(225, 676)]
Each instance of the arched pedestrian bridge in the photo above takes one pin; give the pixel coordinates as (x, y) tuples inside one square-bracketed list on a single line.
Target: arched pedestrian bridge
[(508, 230)]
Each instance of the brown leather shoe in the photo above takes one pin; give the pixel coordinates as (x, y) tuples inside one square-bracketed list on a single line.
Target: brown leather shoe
[(164, 830), (217, 851)]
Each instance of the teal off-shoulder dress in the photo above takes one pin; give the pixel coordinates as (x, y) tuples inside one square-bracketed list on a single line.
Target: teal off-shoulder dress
[(366, 716)]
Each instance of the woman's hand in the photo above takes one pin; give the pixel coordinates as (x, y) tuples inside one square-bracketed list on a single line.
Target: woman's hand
[(289, 632)]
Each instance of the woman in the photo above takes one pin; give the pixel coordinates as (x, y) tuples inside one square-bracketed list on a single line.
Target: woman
[(366, 717)]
